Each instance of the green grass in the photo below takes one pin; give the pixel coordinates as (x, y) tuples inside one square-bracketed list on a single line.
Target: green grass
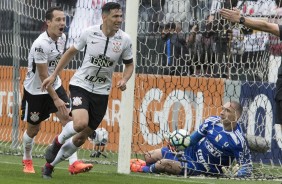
[(11, 172)]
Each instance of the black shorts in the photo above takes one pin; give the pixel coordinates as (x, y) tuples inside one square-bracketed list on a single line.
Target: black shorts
[(36, 108), (95, 104), (278, 101)]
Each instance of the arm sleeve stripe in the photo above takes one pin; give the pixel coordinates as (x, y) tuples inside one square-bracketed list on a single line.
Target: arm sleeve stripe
[(128, 61)]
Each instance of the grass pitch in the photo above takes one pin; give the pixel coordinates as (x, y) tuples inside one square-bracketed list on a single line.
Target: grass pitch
[(11, 173)]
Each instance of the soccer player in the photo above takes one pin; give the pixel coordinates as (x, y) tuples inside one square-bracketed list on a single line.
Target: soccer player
[(261, 25), (213, 147), (37, 105), (91, 84)]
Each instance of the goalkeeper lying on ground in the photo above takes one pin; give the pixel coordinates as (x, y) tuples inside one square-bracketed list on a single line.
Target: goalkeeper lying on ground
[(213, 148)]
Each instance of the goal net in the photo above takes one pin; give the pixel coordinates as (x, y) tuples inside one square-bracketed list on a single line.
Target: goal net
[(206, 62)]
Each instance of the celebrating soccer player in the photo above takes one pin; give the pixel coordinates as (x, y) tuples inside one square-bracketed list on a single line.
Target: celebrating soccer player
[(90, 86), (38, 105)]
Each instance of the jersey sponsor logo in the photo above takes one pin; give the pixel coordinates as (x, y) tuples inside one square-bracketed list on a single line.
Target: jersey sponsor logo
[(201, 159), (102, 61), (76, 101), (116, 47), (34, 116), (212, 149), (96, 79), (39, 50)]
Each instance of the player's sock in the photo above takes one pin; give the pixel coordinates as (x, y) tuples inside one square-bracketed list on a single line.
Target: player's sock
[(146, 169), (149, 169), (73, 158), (27, 147), (153, 168), (67, 132), (148, 164), (65, 152)]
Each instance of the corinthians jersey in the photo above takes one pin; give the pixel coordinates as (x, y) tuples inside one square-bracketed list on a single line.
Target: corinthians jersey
[(43, 50), (101, 56)]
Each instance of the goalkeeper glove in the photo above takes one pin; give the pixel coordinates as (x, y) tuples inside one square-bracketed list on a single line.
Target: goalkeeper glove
[(235, 170)]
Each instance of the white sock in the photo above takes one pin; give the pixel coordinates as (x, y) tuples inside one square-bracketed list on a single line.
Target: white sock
[(73, 158), (27, 147), (67, 132), (65, 152)]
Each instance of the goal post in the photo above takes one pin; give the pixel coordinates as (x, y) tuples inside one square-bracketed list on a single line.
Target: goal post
[(127, 100), (16, 76)]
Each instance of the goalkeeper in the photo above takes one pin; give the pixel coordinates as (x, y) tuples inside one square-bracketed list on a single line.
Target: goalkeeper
[(212, 149)]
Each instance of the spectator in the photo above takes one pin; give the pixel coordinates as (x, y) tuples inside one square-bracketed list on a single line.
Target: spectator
[(174, 61)]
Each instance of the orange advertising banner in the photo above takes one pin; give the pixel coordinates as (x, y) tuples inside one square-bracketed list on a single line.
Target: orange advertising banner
[(162, 104)]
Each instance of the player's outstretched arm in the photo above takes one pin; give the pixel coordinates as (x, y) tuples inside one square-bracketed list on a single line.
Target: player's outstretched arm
[(195, 137), (64, 61), (234, 16)]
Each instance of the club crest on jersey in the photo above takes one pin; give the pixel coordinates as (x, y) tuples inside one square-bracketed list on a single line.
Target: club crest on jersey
[(116, 47), (76, 101), (218, 137), (34, 116)]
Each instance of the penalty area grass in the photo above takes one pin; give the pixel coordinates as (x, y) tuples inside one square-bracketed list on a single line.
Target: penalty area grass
[(11, 173)]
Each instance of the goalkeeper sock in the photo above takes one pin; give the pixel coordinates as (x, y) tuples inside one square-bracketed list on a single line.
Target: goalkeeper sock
[(146, 169), (149, 169), (153, 168)]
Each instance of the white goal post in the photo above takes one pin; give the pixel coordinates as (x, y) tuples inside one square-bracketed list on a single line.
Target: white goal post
[(127, 100)]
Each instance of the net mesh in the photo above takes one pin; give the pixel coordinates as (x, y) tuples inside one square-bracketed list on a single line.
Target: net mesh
[(210, 61)]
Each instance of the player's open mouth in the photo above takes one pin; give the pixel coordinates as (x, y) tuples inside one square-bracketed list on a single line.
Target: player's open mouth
[(61, 29)]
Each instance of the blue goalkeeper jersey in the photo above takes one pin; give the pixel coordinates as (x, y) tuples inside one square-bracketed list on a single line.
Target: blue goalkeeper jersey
[(217, 148)]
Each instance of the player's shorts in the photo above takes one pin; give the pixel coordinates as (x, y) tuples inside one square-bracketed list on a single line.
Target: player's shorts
[(278, 101), (95, 104), (167, 154), (37, 108)]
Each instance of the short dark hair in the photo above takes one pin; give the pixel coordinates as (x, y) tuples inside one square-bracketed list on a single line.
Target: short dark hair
[(170, 25), (49, 13), (238, 107), (110, 6)]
